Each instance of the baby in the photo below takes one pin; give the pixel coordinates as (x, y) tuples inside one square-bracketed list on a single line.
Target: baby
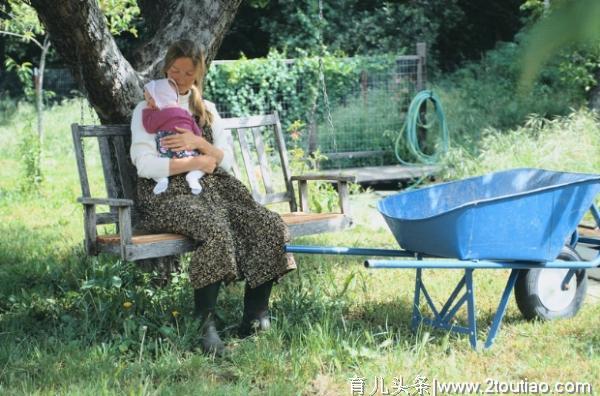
[(161, 118)]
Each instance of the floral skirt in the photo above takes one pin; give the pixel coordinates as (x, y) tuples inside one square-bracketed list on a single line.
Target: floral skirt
[(237, 237)]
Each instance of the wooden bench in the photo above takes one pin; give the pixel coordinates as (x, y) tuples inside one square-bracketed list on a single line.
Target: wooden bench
[(254, 136)]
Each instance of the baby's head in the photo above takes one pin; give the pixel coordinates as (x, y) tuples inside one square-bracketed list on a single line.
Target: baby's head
[(163, 92)]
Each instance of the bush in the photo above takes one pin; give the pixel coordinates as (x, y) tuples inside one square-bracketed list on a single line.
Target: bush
[(485, 95)]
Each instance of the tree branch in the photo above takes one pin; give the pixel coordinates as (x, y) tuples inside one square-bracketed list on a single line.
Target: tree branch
[(81, 36), (23, 37), (210, 21)]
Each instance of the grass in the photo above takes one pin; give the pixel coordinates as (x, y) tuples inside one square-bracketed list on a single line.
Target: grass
[(65, 327), (568, 143)]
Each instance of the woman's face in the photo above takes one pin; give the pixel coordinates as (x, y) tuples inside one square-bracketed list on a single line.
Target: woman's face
[(183, 72)]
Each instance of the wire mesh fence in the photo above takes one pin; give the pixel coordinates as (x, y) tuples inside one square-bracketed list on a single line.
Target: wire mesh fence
[(352, 119), (349, 109)]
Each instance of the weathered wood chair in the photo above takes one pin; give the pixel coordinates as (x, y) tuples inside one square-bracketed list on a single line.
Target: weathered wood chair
[(120, 179)]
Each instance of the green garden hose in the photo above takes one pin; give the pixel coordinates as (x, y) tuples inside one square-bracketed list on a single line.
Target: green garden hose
[(411, 125)]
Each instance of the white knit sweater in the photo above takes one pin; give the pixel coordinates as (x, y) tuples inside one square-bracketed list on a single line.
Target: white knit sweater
[(144, 154)]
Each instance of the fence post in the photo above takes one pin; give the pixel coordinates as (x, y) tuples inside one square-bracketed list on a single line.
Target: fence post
[(421, 83), (422, 63)]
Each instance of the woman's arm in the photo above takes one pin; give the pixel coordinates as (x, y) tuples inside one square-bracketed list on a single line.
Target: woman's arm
[(149, 163), (205, 163), (220, 150), (143, 152)]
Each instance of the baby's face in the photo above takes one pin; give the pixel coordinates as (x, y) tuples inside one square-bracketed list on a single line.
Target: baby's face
[(150, 100)]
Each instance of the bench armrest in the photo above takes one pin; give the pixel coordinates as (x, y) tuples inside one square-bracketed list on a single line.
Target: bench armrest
[(342, 189), (90, 221), (105, 201)]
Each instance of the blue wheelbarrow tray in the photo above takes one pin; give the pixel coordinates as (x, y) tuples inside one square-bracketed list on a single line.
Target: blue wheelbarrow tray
[(516, 215)]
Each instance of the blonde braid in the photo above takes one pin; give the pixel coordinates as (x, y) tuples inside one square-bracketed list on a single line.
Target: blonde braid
[(198, 108), (189, 49)]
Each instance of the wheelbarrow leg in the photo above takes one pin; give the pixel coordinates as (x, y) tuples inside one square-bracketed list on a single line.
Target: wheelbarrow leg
[(416, 316), (510, 285), (471, 308)]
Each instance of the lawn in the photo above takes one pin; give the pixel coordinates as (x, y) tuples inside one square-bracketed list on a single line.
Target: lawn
[(71, 324)]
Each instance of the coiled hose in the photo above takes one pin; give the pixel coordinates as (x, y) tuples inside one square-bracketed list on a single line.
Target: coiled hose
[(410, 129)]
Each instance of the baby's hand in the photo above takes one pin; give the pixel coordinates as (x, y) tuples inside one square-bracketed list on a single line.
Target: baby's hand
[(150, 100)]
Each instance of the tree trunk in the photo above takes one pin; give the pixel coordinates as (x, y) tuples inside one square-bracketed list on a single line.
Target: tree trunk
[(113, 87), (110, 82)]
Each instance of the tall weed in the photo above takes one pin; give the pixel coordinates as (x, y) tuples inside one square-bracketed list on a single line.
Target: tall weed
[(569, 143)]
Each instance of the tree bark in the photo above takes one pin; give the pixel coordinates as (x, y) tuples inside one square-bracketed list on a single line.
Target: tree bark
[(110, 82)]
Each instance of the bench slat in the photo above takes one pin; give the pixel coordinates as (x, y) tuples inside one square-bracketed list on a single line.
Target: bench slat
[(248, 163), (263, 160), (80, 157), (249, 122), (285, 164), (127, 174), (295, 218), (104, 130)]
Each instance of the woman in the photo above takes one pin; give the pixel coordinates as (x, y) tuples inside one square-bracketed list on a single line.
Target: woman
[(237, 238)]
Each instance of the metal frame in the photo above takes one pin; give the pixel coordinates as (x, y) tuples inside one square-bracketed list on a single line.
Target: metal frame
[(442, 319)]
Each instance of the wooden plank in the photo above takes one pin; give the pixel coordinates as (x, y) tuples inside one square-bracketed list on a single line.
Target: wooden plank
[(248, 122), (124, 230), (110, 178), (126, 170), (304, 217), (325, 177), (236, 167), (140, 239), (263, 160), (344, 197), (422, 58), (249, 164), (319, 226), (273, 198), (371, 174), (105, 201), (105, 130), (89, 224), (151, 250), (303, 187), (160, 249), (292, 61), (106, 218), (355, 154), (293, 218), (80, 158), (285, 164)]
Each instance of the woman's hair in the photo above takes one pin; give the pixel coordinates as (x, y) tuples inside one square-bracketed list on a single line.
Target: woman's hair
[(189, 49)]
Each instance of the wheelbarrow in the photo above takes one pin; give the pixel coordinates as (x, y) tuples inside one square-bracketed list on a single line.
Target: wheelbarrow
[(524, 220)]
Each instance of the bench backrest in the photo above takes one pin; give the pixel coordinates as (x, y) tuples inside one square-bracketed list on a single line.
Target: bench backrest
[(251, 138)]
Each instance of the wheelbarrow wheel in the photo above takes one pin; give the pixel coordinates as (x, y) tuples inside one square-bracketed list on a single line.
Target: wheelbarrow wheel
[(540, 295)]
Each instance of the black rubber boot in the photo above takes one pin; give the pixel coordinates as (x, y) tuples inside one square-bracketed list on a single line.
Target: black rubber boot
[(205, 301), (256, 309)]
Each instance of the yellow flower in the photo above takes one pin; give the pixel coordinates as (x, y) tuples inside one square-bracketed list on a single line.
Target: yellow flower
[(175, 313), (127, 304)]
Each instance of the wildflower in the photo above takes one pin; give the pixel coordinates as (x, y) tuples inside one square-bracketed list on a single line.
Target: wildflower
[(127, 304), (175, 313)]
